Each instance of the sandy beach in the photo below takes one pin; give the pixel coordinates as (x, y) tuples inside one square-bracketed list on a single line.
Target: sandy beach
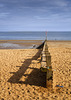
[(21, 78)]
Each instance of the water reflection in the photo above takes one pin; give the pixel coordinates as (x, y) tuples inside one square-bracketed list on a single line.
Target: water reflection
[(13, 46)]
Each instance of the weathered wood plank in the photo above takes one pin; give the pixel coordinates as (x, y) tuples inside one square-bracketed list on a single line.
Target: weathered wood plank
[(46, 64)]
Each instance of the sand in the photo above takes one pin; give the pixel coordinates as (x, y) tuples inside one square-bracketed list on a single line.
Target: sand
[(21, 78)]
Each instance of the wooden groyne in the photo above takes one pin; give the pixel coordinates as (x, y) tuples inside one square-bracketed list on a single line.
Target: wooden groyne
[(46, 64)]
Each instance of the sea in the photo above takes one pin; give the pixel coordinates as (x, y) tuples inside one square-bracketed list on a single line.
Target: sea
[(33, 35)]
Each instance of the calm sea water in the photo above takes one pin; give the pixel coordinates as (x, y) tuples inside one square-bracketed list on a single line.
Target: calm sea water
[(35, 35)]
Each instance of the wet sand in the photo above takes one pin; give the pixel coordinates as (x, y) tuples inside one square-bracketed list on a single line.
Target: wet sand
[(21, 78), (19, 44)]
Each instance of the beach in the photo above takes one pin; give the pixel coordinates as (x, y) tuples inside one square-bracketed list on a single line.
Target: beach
[(22, 79)]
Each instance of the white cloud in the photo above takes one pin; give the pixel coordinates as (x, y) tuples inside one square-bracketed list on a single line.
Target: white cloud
[(61, 3), (41, 18), (4, 14), (53, 18)]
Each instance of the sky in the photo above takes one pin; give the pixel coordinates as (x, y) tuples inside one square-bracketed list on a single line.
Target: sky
[(35, 15)]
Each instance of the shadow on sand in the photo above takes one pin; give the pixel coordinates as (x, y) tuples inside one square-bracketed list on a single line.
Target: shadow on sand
[(36, 77)]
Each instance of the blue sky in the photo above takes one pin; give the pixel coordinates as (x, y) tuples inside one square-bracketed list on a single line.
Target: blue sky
[(35, 15)]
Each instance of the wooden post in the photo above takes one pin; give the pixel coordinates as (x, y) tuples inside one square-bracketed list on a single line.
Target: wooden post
[(49, 71), (46, 64), (46, 35)]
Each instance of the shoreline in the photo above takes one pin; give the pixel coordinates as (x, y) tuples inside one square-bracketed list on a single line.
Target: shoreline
[(28, 44), (19, 44), (35, 40)]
